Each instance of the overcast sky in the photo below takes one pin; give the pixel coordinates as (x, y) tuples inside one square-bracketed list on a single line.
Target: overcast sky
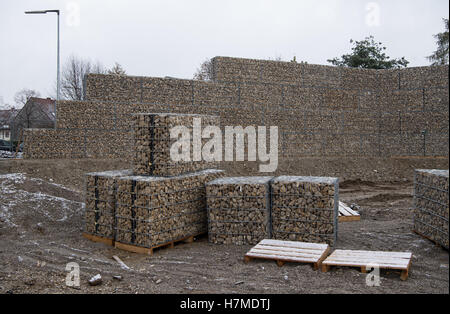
[(172, 37)]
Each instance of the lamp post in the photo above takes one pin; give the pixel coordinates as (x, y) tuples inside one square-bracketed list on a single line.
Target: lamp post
[(57, 62)]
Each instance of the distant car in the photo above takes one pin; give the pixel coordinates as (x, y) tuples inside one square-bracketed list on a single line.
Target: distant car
[(5, 145)]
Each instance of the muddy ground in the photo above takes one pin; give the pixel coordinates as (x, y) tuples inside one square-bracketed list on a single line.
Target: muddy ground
[(41, 220)]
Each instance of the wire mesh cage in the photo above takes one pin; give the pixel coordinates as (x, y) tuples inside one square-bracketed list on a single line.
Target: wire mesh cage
[(431, 205), (151, 211), (305, 209), (238, 210)]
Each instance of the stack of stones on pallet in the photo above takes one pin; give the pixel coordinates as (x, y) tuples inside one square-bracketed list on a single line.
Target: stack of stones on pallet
[(431, 202), (152, 210), (101, 202), (158, 202), (238, 210), (305, 209), (152, 143)]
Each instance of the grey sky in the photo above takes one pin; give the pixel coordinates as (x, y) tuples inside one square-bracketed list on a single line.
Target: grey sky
[(172, 37)]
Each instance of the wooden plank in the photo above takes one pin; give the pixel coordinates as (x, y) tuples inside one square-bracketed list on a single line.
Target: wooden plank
[(349, 218), (149, 251), (283, 258), (280, 253), (294, 244), (321, 259), (288, 251), (372, 253), (405, 273), (430, 239), (99, 239), (133, 248), (351, 211), (343, 211), (358, 264), (365, 259), (347, 214)]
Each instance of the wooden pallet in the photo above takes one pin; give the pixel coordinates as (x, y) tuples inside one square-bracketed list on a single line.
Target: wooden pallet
[(289, 251), (367, 259), (94, 238), (347, 214), (149, 251)]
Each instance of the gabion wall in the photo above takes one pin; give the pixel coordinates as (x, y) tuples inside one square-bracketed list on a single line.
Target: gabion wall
[(319, 110), (431, 215)]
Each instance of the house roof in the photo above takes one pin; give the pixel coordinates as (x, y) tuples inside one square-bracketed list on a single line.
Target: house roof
[(6, 116), (47, 105)]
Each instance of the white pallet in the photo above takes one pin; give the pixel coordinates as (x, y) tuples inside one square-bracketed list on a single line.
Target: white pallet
[(347, 214), (369, 259), (288, 251)]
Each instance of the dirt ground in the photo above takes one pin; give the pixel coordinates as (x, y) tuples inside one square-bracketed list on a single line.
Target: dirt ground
[(41, 220)]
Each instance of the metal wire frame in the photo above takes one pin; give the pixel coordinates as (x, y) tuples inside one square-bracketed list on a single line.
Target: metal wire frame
[(304, 208), (162, 219), (97, 232), (133, 242), (417, 196), (162, 206), (196, 223), (335, 211), (235, 221), (237, 196), (430, 226), (98, 211), (134, 193), (239, 209), (431, 213), (431, 187), (162, 193), (151, 149), (234, 234), (327, 235), (329, 238), (195, 166), (138, 95), (431, 200), (268, 226), (304, 220)]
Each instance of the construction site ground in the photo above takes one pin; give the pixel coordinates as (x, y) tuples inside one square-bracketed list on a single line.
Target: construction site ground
[(41, 224)]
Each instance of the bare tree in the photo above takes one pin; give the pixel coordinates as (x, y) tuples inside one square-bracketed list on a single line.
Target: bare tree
[(22, 96), (73, 74), (117, 70), (205, 72), (3, 106)]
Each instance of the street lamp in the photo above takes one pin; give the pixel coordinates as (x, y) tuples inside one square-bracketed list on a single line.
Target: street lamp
[(57, 66)]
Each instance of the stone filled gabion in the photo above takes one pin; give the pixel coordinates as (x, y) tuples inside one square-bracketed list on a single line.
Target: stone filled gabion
[(305, 209), (101, 202), (320, 110), (238, 210), (152, 143), (157, 210), (431, 202)]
